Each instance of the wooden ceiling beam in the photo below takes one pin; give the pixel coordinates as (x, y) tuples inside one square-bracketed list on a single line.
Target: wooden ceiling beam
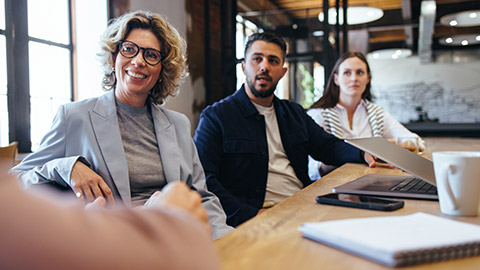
[(445, 31), (440, 31), (307, 4), (264, 5), (442, 2), (387, 36)]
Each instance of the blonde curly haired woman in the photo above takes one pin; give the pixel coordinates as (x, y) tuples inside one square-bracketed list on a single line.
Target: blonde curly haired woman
[(124, 145)]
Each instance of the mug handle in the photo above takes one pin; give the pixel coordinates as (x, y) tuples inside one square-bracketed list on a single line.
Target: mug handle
[(446, 183)]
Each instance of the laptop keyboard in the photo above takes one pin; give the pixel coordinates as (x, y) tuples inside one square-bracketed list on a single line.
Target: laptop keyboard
[(415, 185)]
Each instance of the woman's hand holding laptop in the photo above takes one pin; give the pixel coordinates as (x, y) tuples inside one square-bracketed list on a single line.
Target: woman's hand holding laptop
[(374, 161)]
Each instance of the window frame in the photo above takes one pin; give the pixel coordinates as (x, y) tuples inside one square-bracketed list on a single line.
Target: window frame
[(18, 77)]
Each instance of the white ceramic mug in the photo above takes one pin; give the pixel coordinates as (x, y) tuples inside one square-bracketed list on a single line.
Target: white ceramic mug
[(458, 182)]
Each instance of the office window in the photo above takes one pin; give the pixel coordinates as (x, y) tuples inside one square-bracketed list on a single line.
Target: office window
[(50, 54), (52, 15), (43, 66), (3, 94), (2, 14), (3, 79), (50, 86)]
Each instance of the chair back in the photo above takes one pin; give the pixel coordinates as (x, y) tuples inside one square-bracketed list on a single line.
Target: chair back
[(8, 153)]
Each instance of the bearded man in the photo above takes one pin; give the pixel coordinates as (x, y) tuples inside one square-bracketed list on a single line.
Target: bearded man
[(254, 147)]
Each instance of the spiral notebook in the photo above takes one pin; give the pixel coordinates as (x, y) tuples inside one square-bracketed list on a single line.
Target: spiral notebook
[(399, 240)]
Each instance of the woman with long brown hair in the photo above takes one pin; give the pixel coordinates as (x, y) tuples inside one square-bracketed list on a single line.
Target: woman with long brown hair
[(346, 109)]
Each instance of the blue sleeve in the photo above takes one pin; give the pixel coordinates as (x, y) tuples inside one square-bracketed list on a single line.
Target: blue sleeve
[(209, 141)]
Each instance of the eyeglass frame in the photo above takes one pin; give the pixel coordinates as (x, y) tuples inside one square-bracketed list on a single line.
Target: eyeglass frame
[(120, 44)]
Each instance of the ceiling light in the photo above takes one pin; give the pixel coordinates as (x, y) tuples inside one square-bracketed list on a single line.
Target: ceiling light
[(462, 40), (462, 19), (390, 53), (356, 15), (318, 33)]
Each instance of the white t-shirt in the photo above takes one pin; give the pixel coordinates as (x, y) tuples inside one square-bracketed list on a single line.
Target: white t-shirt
[(282, 182), (360, 129)]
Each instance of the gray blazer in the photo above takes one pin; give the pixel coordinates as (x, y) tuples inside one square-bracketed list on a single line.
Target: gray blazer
[(88, 131)]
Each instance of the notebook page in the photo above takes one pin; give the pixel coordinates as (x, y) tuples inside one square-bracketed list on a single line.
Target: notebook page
[(398, 233)]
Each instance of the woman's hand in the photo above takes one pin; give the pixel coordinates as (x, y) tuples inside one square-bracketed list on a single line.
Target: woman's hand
[(179, 195), (88, 185), (372, 161)]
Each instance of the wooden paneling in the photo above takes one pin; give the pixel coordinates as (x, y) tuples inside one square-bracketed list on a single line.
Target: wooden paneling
[(387, 36), (264, 5), (442, 2), (443, 30), (304, 4)]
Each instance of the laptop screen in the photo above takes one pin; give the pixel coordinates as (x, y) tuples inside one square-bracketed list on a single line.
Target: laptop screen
[(397, 156)]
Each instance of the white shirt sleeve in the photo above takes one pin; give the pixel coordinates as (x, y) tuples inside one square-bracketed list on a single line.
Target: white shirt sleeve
[(317, 116), (314, 165), (393, 129)]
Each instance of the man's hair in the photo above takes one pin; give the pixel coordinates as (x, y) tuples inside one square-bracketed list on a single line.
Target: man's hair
[(267, 37)]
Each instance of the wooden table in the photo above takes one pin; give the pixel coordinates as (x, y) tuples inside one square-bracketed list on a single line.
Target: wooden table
[(271, 240), (452, 144)]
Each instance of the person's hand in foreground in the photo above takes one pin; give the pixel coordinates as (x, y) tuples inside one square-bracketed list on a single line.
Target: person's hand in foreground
[(99, 202), (117, 238), (179, 195)]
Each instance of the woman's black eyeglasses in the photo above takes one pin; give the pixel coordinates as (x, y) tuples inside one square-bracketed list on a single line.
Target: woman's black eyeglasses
[(130, 50)]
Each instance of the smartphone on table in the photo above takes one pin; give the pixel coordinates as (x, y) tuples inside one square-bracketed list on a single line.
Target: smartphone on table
[(359, 201)]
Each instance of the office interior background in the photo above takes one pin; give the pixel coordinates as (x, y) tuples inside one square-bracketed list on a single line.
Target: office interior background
[(424, 55)]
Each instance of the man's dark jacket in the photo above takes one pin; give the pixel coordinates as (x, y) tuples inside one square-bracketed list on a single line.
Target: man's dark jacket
[(232, 143)]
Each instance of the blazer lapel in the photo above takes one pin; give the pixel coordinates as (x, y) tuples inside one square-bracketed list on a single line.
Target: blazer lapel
[(107, 132), (167, 144)]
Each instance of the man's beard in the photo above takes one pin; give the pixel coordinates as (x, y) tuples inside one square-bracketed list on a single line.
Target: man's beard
[(261, 94)]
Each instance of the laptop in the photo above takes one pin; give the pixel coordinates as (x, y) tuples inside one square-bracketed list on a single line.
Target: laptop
[(419, 186)]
